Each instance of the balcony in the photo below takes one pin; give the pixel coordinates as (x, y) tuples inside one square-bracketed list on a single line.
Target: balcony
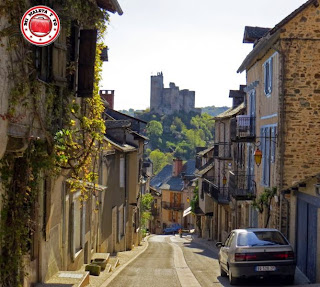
[(222, 150), (172, 205), (243, 128), (220, 194), (242, 186)]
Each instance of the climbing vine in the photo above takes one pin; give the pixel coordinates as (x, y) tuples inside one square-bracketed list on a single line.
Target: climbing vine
[(264, 202), (73, 148)]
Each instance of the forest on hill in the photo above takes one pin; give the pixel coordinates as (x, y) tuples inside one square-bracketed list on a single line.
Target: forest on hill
[(176, 135)]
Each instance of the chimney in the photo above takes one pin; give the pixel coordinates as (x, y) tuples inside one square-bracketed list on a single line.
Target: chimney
[(108, 96), (177, 166)]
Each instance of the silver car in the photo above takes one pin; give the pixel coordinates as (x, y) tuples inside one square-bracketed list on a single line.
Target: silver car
[(256, 252)]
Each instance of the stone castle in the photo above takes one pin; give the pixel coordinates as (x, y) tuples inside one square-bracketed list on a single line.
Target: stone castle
[(170, 100)]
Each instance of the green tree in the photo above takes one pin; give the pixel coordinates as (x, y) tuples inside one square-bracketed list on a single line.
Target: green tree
[(159, 160), (146, 201)]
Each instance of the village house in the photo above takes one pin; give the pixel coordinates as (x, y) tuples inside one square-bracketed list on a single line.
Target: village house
[(54, 222), (174, 184), (282, 100)]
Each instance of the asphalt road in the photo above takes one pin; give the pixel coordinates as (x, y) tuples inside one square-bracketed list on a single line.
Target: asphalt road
[(171, 261)]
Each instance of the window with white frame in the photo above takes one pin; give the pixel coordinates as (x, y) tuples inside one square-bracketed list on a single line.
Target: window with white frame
[(268, 75)]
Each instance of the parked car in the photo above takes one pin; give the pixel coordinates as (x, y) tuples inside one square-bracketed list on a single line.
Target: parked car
[(172, 229), (256, 252)]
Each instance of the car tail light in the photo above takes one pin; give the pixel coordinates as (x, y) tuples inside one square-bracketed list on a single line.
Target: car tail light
[(284, 255), (245, 256)]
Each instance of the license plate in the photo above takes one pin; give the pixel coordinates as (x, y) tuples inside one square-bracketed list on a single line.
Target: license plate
[(265, 268)]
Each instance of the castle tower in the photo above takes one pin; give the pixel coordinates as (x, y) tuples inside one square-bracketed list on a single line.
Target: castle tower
[(156, 92)]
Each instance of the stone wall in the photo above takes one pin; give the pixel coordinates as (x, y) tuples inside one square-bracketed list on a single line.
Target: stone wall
[(300, 46)]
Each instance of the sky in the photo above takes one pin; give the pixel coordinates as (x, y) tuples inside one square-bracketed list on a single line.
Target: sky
[(197, 44)]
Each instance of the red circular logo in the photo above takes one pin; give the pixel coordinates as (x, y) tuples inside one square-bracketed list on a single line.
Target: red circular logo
[(40, 25)]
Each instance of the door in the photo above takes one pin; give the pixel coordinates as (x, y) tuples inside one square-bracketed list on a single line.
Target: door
[(225, 250), (307, 239)]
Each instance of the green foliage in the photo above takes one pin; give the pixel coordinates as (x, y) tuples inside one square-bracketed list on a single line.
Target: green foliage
[(264, 202), (160, 160), (213, 111), (74, 147), (146, 201), (194, 203), (179, 133)]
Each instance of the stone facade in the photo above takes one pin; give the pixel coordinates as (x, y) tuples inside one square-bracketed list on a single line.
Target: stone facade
[(170, 100)]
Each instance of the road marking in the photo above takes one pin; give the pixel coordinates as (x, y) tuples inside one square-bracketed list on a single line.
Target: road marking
[(184, 273)]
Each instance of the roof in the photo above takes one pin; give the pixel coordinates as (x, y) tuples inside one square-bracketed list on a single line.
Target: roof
[(175, 183), (270, 38), (116, 124), (189, 167), (252, 34), (110, 5), (135, 134), (119, 146), (162, 176), (118, 115), (236, 94), (230, 112), (204, 169), (203, 152)]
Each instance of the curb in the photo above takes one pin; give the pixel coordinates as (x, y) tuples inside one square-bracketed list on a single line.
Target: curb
[(117, 271)]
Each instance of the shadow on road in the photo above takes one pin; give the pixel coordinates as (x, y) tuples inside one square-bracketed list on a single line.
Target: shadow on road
[(205, 252)]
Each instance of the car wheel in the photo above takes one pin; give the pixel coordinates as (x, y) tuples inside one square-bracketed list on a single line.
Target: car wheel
[(222, 272), (232, 280)]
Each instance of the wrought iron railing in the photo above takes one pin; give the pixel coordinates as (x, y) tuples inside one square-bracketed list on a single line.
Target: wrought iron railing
[(220, 194), (242, 185), (246, 126), (172, 205)]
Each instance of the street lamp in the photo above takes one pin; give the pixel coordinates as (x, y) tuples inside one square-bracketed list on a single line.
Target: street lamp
[(224, 180), (257, 156)]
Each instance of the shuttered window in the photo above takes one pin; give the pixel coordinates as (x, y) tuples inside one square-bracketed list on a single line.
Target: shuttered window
[(268, 75), (87, 52), (59, 56)]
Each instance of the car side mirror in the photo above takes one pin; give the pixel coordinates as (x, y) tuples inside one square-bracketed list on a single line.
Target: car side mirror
[(219, 244)]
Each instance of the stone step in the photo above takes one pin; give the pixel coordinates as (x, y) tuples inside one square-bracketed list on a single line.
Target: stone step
[(100, 255), (67, 278)]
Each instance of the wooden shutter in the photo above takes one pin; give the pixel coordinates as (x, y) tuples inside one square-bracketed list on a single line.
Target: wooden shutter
[(59, 58), (87, 53)]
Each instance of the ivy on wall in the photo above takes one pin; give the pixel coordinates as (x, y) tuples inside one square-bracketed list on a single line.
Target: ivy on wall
[(74, 147)]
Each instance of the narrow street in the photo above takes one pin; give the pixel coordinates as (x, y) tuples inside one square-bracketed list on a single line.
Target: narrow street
[(174, 261)]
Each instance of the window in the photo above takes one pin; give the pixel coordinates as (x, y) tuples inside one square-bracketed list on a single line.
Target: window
[(265, 148), (121, 172), (268, 74), (78, 224), (268, 147)]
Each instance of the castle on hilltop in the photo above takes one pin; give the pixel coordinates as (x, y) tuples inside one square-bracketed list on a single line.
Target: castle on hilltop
[(170, 100)]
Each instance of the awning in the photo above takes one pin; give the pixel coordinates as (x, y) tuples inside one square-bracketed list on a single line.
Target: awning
[(187, 211)]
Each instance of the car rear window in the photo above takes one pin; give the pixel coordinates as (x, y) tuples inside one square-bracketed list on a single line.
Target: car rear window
[(261, 238)]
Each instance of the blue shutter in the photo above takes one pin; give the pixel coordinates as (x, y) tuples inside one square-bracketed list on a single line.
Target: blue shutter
[(270, 75), (263, 150), (267, 173), (266, 77), (273, 144)]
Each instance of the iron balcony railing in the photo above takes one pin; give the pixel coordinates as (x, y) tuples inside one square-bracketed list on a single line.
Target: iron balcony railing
[(220, 194), (172, 205), (243, 127), (222, 150), (242, 186)]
